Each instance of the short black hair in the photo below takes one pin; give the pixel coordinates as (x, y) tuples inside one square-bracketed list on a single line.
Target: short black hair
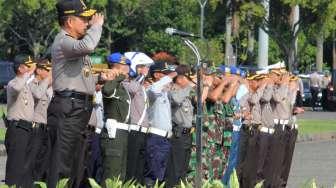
[(62, 20)]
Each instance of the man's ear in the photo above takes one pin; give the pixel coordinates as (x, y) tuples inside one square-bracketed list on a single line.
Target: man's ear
[(156, 75)]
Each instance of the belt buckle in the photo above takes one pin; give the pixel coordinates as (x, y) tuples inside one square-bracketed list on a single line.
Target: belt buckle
[(34, 125), (141, 127)]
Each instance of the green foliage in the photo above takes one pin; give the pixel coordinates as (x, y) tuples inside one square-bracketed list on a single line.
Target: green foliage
[(234, 183), (93, 183), (274, 53), (259, 185), (29, 26), (309, 184), (41, 184), (62, 183), (307, 53), (116, 183)]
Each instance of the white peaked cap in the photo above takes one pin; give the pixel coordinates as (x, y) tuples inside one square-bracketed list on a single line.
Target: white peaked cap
[(263, 71), (138, 58), (279, 65)]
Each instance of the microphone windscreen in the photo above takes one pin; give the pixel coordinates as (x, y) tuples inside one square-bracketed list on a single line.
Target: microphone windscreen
[(170, 31)]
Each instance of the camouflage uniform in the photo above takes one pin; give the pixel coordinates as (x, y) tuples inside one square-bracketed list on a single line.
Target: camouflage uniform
[(216, 141)]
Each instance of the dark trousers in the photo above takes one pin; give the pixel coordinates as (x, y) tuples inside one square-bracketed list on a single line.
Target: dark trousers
[(136, 156), (40, 152), (263, 157), (94, 169), (157, 154), (114, 154), (298, 99), (249, 175), (324, 98), (243, 143), (289, 151), (276, 157), (18, 147), (178, 161), (314, 92), (67, 121)]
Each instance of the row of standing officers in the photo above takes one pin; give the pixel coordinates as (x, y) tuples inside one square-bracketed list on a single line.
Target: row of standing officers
[(147, 126)]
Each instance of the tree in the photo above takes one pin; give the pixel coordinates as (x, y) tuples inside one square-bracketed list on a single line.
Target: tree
[(323, 25), (29, 25)]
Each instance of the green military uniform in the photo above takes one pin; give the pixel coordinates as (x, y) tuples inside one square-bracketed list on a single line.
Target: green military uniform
[(216, 141), (114, 137)]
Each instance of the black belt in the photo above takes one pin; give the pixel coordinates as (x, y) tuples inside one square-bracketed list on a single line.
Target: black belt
[(21, 124), (74, 94), (39, 125), (179, 131)]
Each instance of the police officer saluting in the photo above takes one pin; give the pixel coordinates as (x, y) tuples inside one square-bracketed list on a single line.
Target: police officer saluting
[(182, 118), (73, 85), (42, 92), (117, 101), (158, 145), (138, 116), (20, 111)]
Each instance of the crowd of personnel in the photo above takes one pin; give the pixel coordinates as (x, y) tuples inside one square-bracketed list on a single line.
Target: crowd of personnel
[(136, 119)]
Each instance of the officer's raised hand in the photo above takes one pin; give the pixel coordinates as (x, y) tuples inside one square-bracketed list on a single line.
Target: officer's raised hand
[(110, 75), (208, 81), (31, 69), (49, 78), (172, 74), (98, 19)]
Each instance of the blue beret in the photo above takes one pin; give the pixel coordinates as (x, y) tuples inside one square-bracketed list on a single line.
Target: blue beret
[(223, 69), (118, 58), (243, 73), (234, 70)]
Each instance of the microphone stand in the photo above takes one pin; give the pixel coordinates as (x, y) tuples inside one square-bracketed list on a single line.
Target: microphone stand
[(199, 115)]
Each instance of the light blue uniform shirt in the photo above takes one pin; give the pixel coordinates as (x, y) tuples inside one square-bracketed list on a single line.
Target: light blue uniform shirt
[(159, 112)]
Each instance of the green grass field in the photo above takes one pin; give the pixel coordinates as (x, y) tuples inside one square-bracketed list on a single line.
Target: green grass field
[(316, 126)]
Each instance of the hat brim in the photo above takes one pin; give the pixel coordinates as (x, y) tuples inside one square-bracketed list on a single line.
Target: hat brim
[(191, 77), (166, 71), (252, 77), (88, 13), (29, 64), (293, 78), (278, 72), (44, 67)]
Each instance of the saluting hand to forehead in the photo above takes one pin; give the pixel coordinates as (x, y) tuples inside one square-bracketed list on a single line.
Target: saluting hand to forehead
[(97, 18)]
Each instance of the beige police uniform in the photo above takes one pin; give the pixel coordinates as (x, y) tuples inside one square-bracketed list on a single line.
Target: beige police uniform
[(70, 109), (20, 111)]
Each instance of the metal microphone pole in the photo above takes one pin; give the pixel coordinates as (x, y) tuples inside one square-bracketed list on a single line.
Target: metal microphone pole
[(199, 115)]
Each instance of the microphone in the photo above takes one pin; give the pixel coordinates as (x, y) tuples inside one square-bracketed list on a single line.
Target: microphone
[(172, 31)]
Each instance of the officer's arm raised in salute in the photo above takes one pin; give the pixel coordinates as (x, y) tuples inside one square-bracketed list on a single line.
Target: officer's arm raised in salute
[(158, 86), (40, 88), (77, 47), (19, 83)]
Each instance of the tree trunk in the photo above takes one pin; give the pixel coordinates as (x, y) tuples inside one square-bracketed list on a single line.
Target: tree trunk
[(109, 42), (263, 41), (319, 52), (294, 19), (228, 47), (334, 63), (36, 50), (291, 58), (250, 46), (229, 60)]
